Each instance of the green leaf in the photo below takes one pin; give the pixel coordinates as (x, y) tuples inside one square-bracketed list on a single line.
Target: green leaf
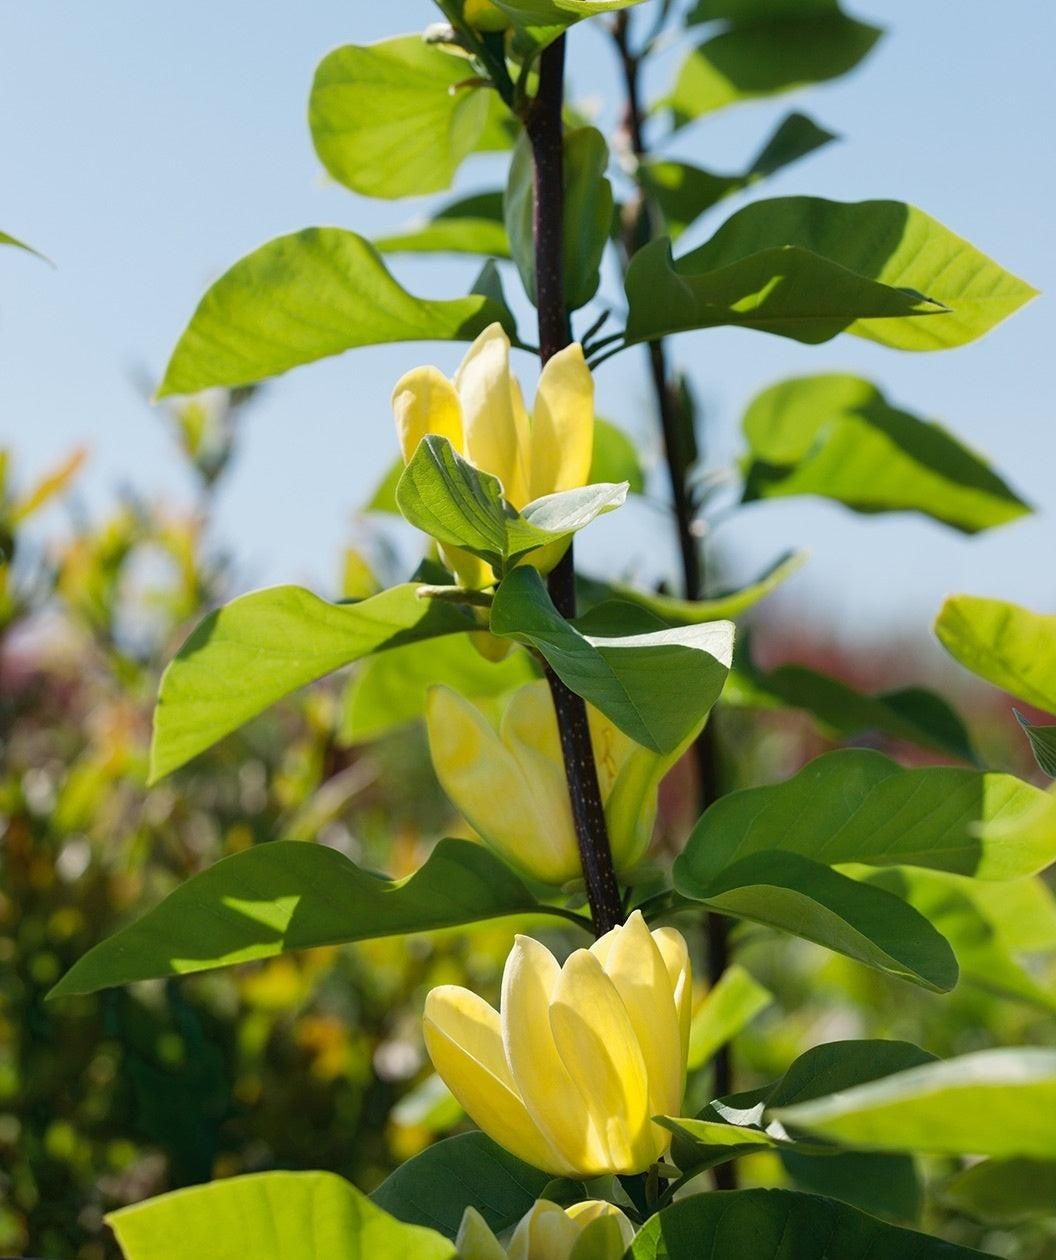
[(685, 192), (15, 243), (1004, 1192), (794, 894), (450, 499), (1009, 646), (764, 57), (1042, 743), (285, 895), (996, 1102), (389, 119), (389, 690), (780, 1225), (615, 457), (808, 269), (728, 1008), (536, 13), (656, 686), (915, 715), (587, 214), (838, 437), (434, 1188), (261, 646), (887, 1186), (271, 1216), (857, 806), (304, 297), (469, 225)]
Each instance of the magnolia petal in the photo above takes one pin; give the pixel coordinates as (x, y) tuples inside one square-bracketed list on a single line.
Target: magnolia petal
[(481, 777), (591, 1210), (545, 1232), (675, 953), (464, 1041), (495, 440), (529, 731), (598, 1046), (475, 1241), (424, 401), (636, 967), (556, 1105), (562, 424)]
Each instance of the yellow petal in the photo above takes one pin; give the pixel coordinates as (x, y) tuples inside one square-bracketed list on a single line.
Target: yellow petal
[(544, 1233), (547, 1090), (597, 1045), (562, 424), (591, 1210), (424, 401), (675, 953), (463, 1038), (471, 571), (475, 1241), (495, 429), (481, 777), (529, 731), (636, 967)]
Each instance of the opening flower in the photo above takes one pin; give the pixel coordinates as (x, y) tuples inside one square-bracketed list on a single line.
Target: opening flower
[(582, 1056), (548, 1232), (509, 783), (481, 412)]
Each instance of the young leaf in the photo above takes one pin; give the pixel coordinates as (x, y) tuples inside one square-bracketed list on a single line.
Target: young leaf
[(794, 894), (15, 243), (685, 192), (390, 120), (449, 236), (261, 646), (767, 56), (1042, 743), (781, 1225), (806, 268), (434, 1188), (838, 437), (728, 1008), (857, 806), (272, 1216), (558, 13), (656, 686), (1009, 646), (288, 895), (995, 1102), (304, 297), (615, 457)]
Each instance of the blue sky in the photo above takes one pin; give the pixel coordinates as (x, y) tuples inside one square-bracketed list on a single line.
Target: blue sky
[(146, 148)]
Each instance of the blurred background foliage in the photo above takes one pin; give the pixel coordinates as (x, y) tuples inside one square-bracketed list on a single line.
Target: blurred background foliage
[(316, 1060)]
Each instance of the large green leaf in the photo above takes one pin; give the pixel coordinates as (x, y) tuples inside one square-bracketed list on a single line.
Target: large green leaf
[(996, 1102), (304, 297), (765, 57), (657, 686), (838, 437), (261, 646), (780, 1225), (271, 1216), (685, 192), (1004, 1191), (806, 268), (390, 689), (434, 1188), (286, 895), (883, 1185), (912, 714), (1009, 646), (858, 806), (390, 120), (794, 894)]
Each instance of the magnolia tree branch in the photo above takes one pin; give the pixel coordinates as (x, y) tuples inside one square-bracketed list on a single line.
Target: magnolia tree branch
[(545, 133), (638, 231)]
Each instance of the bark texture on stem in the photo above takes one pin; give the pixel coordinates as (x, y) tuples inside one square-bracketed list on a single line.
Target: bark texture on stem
[(545, 133)]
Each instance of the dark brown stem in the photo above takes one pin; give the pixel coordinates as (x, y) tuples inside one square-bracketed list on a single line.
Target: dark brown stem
[(545, 133), (672, 423)]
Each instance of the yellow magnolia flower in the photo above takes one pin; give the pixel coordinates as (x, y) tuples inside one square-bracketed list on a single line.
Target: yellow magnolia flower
[(482, 413), (546, 1232), (582, 1056), (509, 784)]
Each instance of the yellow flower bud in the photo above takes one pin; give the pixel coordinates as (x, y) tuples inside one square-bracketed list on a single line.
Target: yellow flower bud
[(546, 1232), (509, 784), (482, 413), (485, 16), (569, 1076)]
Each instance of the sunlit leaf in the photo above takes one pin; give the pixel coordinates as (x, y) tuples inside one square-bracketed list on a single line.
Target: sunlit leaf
[(1042, 743), (1009, 646)]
